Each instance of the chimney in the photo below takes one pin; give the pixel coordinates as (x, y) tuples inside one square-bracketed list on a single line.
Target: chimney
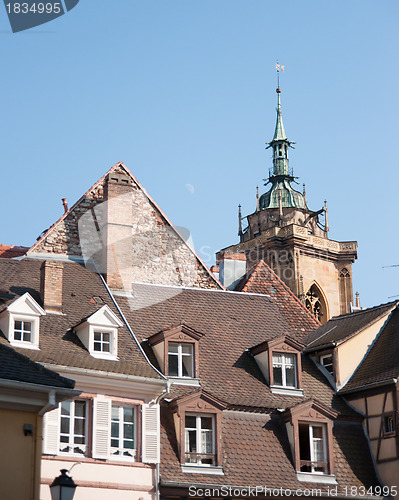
[(65, 204), (118, 229), (232, 268), (51, 285), (215, 271)]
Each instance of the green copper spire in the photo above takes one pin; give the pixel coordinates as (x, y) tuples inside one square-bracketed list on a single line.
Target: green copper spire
[(279, 133), (281, 193)]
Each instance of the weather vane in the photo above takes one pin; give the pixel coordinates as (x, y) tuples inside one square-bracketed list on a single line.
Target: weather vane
[(279, 68)]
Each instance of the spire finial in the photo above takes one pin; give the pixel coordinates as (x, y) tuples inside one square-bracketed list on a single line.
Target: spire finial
[(239, 221), (326, 216), (278, 90), (257, 198)]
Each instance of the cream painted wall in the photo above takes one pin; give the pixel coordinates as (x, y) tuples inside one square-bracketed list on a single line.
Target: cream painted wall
[(351, 352), (389, 473), (102, 481), (20, 455)]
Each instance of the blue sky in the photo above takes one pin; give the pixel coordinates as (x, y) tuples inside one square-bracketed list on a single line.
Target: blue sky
[(183, 91)]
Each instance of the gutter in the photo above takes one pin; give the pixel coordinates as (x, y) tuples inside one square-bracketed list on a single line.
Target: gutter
[(16, 384)]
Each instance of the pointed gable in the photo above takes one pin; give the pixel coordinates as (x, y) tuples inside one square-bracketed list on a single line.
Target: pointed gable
[(149, 250), (262, 279)]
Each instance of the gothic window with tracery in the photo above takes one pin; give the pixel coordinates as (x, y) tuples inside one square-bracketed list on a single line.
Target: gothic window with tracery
[(345, 288), (315, 304)]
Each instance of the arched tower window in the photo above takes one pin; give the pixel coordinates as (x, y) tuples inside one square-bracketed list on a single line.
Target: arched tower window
[(315, 303), (345, 290)]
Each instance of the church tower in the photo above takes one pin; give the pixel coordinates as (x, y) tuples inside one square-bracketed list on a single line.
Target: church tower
[(294, 240)]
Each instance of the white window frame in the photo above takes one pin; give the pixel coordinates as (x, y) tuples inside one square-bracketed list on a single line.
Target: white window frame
[(198, 431), (283, 365), (112, 354), (324, 356), (180, 356), (34, 320), (121, 449), (84, 446)]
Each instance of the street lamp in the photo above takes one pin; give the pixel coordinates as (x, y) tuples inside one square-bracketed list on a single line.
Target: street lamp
[(63, 487)]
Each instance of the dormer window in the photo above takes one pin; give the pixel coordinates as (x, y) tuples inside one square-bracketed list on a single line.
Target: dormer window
[(99, 333), (309, 429), (280, 362), (177, 351), (327, 361), (180, 359), (20, 322), (198, 419)]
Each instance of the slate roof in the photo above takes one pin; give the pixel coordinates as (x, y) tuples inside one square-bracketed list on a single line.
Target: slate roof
[(340, 328), (59, 345), (382, 361), (257, 452), (17, 367), (262, 279)]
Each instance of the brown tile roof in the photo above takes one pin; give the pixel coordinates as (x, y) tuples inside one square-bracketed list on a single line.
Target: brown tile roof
[(11, 251), (16, 366), (382, 361), (256, 451), (341, 328), (231, 323), (59, 345), (262, 279)]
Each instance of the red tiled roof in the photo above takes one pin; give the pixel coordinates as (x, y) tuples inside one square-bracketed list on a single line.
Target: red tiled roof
[(256, 452), (262, 279), (11, 251)]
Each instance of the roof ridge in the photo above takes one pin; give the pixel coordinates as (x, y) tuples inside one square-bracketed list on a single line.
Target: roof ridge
[(262, 262), (363, 311)]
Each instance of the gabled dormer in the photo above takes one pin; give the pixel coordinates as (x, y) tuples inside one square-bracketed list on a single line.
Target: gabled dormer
[(99, 333), (280, 362), (20, 322), (177, 351), (310, 432)]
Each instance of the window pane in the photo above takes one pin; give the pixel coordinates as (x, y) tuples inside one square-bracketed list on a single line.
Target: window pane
[(206, 422), (192, 441), (317, 432), (27, 326), (173, 348), (187, 348), (277, 359), (64, 425), (115, 413), (106, 347), (128, 414), (79, 426), (18, 325), (290, 376), (206, 441), (115, 430), (187, 366), (190, 422), (80, 407), (128, 444), (97, 336), (66, 408), (173, 370), (277, 375), (128, 431)]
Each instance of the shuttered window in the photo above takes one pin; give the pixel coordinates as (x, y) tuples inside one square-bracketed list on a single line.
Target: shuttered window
[(151, 433)]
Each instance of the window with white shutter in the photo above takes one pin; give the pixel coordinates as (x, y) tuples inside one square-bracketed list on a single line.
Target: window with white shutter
[(51, 432), (151, 433), (101, 428)]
